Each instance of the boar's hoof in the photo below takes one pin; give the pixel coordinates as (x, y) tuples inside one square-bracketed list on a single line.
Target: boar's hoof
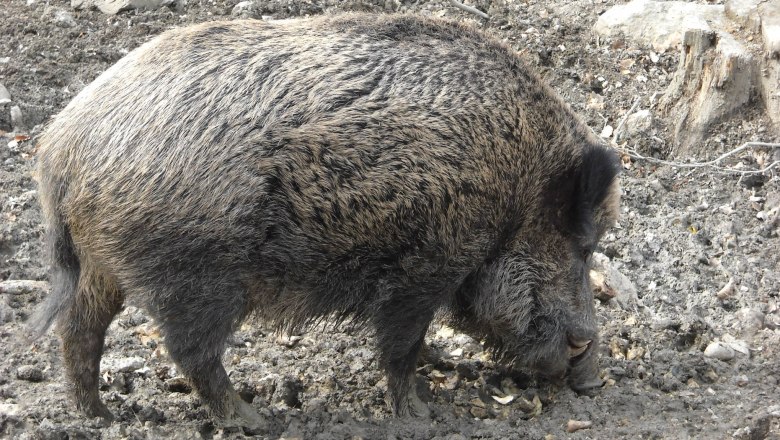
[(98, 409), (240, 413), (587, 387), (412, 406)]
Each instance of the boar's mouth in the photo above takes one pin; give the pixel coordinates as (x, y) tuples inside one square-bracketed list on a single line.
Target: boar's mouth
[(578, 349)]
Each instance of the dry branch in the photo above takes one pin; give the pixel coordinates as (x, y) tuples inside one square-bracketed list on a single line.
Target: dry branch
[(469, 9), (714, 164)]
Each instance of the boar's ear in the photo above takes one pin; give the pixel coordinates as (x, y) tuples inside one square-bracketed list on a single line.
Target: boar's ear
[(595, 193), (584, 197)]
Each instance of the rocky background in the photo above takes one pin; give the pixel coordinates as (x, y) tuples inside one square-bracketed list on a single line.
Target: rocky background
[(688, 282)]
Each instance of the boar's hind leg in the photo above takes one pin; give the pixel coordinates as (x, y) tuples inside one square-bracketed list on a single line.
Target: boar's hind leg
[(401, 333), (196, 329), (83, 329)]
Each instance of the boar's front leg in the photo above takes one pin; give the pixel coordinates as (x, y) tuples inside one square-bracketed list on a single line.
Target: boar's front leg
[(401, 332)]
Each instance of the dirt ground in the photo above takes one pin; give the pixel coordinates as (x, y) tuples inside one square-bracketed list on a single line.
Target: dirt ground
[(684, 235)]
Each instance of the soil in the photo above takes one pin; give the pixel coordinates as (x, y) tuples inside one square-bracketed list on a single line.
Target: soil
[(685, 233)]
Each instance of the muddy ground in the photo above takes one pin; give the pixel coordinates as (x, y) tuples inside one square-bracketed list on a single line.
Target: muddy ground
[(683, 236)]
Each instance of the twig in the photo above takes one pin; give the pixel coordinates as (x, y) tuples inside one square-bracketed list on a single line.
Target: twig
[(714, 164), (625, 118), (469, 9)]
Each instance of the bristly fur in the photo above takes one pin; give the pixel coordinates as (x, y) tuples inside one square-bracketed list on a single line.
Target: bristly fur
[(357, 168)]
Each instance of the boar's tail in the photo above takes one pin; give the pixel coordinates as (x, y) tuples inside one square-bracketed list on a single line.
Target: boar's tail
[(62, 257)]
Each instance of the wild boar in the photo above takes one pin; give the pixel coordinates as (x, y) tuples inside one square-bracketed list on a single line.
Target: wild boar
[(376, 168)]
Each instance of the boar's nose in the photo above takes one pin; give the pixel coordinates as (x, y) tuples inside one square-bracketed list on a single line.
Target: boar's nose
[(578, 347)]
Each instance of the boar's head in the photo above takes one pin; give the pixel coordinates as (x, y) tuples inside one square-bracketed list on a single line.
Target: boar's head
[(531, 301)]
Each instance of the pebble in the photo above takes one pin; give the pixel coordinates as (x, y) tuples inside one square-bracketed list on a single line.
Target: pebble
[(480, 413), (6, 312), (127, 364), (467, 370), (29, 373), (16, 118), (751, 319), (727, 291), (5, 97), (63, 19), (289, 341), (719, 350), (9, 409), (243, 8)]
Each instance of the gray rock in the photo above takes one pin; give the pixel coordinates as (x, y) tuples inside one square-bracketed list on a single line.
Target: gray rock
[(115, 6), (719, 350), (29, 373), (770, 27), (638, 124), (744, 12), (63, 19), (751, 319), (625, 292), (245, 8), (127, 364), (658, 24)]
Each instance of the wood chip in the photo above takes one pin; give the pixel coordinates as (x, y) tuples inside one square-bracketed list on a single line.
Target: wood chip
[(576, 425), (504, 400)]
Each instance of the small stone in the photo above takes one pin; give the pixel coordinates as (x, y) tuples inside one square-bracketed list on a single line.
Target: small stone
[(437, 377), (127, 364), (606, 131), (635, 353), (244, 8), (5, 96), (719, 350), (445, 332), (458, 352), (727, 291), (525, 405), (751, 319), (480, 413), (16, 118), (29, 373), (741, 380), (467, 370), (9, 409), (289, 341), (63, 19), (7, 313)]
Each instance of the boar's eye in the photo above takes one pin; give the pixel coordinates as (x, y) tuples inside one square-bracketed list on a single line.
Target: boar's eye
[(586, 253)]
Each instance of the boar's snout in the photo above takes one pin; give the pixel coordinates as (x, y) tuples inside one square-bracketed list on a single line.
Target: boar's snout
[(583, 371)]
